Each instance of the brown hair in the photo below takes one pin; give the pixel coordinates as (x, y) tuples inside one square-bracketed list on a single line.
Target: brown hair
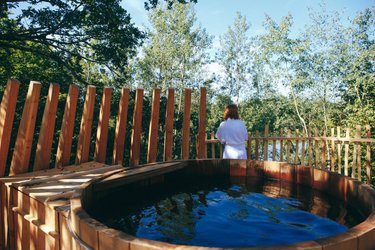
[(231, 111)]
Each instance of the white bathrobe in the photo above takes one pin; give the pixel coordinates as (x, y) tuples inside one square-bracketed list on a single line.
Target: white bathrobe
[(233, 134)]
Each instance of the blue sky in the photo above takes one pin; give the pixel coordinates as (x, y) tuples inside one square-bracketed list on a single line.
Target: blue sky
[(217, 15)]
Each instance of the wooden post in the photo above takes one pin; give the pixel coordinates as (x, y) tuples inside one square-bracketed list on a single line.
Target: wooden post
[(333, 150), (84, 139), (186, 126), (22, 148), (154, 127), (297, 146), (310, 148), (249, 147), (316, 133), (359, 164), (137, 128), (103, 124), (303, 153), (368, 156), (221, 151), (7, 111), (257, 145), (205, 152), (44, 146), (273, 148), (346, 163), (202, 125), (324, 151), (339, 165), (212, 145), (66, 134), (281, 148), (168, 137), (265, 145), (118, 146), (288, 146)]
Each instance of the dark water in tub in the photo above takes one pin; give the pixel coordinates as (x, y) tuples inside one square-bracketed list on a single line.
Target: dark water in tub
[(226, 213)]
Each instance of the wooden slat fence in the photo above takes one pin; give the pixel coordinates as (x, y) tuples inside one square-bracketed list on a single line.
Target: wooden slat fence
[(344, 151), (323, 152)]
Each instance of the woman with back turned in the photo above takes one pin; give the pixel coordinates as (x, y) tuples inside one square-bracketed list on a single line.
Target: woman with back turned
[(233, 134)]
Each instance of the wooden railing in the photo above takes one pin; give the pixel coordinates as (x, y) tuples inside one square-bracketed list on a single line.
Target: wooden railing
[(343, 153), (338, 152), (45, 157)]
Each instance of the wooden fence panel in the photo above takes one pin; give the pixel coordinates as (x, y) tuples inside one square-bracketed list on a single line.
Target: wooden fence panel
[(119, 143), (83, 147), (333, 150), (303, 152), (186, 126), (281, 149), (22, 148), (202, 125), (66, 134), (256, 145), (136, 130), (212, 145), (324, 152), (359, 164), (7, 111), (265, 143), (273, 148), (368, 156), (154, 127), (47, 129), (310, 150), (339, 149), (288, 146), (346, 164), (316, 133), (169, 117), (103, 124), (297, 148)]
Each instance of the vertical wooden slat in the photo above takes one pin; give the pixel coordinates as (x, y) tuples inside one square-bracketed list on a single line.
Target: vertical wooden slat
[(202, 125), (221, 151), (256, 145), (66, 134), (273, 149), (288, 146), (7, 111), (281, 148), (339, 165), (205, 152), (303, 152), (212, 145), (83, 147), (186, 126), (354, 161), (316, 134), (47, 128), (297, 148), (169, 117), (346, 163), (333, 150), (154, 126), (265, 145), (310, 148), (368, 156), (103, 124), (22, 148), (249, 147), (324, 151), (136, 130), (118, 146), (359, 164)]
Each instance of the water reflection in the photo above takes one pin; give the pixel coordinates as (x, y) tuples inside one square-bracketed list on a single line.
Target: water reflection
[(236, 212)]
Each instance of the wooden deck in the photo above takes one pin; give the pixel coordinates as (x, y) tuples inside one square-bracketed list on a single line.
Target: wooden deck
[(34, 206)]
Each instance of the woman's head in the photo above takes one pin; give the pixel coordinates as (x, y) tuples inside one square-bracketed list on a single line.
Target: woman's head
[(231, 111)]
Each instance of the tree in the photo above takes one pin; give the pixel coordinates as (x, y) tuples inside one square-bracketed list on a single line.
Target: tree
[(70, 31), (285, 61), (175, 49), (234, 56)]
